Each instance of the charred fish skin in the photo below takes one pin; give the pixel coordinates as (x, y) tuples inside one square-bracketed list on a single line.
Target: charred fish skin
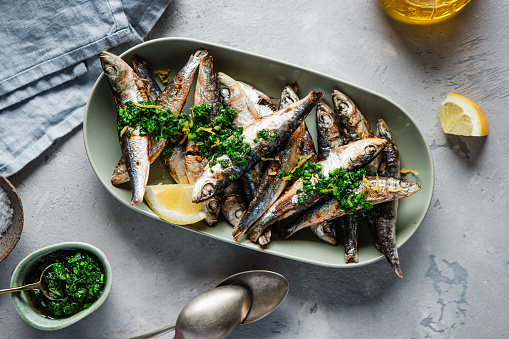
[(350, 231), (377, 190), (173, 97), (140, 66), (272, 186), (232, 203), (282, 123), (348, 157), (386, 219), (127, 86)]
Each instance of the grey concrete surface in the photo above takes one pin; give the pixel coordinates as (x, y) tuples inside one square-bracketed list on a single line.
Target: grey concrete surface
[(455, 265)]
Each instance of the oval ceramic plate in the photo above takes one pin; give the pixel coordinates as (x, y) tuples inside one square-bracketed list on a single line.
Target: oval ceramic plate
[(269, 76)]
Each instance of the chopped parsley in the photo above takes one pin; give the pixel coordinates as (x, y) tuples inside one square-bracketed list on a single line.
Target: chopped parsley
[(76, 277), (213, 138), (265, 134), (340, 184)]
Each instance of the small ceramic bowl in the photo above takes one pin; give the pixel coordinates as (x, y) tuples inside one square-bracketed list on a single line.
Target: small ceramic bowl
[(13, 233), (33, 317)]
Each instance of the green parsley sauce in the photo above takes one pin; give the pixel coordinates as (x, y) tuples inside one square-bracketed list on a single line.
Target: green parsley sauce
[(340, 184), (213, 138), (77, 277)]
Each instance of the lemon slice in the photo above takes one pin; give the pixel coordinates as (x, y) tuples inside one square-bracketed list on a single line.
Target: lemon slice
[(173, 203), (461, 116)]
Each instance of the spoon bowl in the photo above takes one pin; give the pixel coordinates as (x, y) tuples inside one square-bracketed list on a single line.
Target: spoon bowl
[(239, 299), (268, 288)]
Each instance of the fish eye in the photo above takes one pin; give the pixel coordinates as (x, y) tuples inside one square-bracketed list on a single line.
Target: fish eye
[(110, 70), (325, 118), (212, 205), (238, 214), (403, 184), (370, 149), (208, 189), (225, 92)]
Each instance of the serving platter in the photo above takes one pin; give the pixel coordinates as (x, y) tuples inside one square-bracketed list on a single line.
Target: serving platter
[(269, 76)]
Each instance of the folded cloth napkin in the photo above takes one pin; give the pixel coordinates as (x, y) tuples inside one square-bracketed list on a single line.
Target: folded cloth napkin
[(49, 52)]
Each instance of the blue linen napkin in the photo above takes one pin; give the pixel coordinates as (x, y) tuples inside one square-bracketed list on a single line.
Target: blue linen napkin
[(49, 52)]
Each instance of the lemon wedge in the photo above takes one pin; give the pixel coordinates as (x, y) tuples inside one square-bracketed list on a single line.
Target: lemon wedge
[(461, 116), (173, 203)]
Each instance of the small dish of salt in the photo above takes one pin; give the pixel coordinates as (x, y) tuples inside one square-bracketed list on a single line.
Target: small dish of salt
[(11, 217)]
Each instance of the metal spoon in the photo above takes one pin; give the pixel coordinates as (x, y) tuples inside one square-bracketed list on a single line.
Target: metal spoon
[(266, 289), (41, 285)]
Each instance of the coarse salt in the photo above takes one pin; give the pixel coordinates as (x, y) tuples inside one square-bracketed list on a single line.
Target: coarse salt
[(6, 212)]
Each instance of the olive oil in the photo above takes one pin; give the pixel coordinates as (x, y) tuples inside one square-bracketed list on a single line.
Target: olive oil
[(422, 11)]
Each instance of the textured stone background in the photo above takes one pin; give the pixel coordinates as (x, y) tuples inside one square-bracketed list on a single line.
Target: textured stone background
[(455, 265)]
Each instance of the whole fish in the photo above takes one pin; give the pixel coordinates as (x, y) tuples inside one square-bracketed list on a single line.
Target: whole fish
[(330, 134), (349, 157), (250, 181), (233, 95), (232, 203), (206, 92), (386, 219), (355, 127), (173, 97), (128, 86), (140, 66), (271, 185), (376, 190), (282, 123)]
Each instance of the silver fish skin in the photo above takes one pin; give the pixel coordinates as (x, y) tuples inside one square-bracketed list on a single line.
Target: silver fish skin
[(282, 123), (348, 157), (329, 130), (233, 96), (379, 190), (127, 86), (261, 101), (385, 221), (173, 97), (176, 164), (272, 186), (140, 66), (232, 203)]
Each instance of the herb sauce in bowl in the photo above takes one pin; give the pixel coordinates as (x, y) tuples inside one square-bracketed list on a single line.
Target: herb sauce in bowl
[(77, 278)]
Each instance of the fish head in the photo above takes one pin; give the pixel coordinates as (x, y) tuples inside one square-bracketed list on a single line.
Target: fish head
[(203, 191), (212, 205), (229, 89), (362, 151), (402, 188), (115, 69), (342, 104), (327, 121), (288, 96)]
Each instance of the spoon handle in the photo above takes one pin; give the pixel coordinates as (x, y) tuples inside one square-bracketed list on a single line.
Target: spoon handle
[(156, 333), (35, 286)]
